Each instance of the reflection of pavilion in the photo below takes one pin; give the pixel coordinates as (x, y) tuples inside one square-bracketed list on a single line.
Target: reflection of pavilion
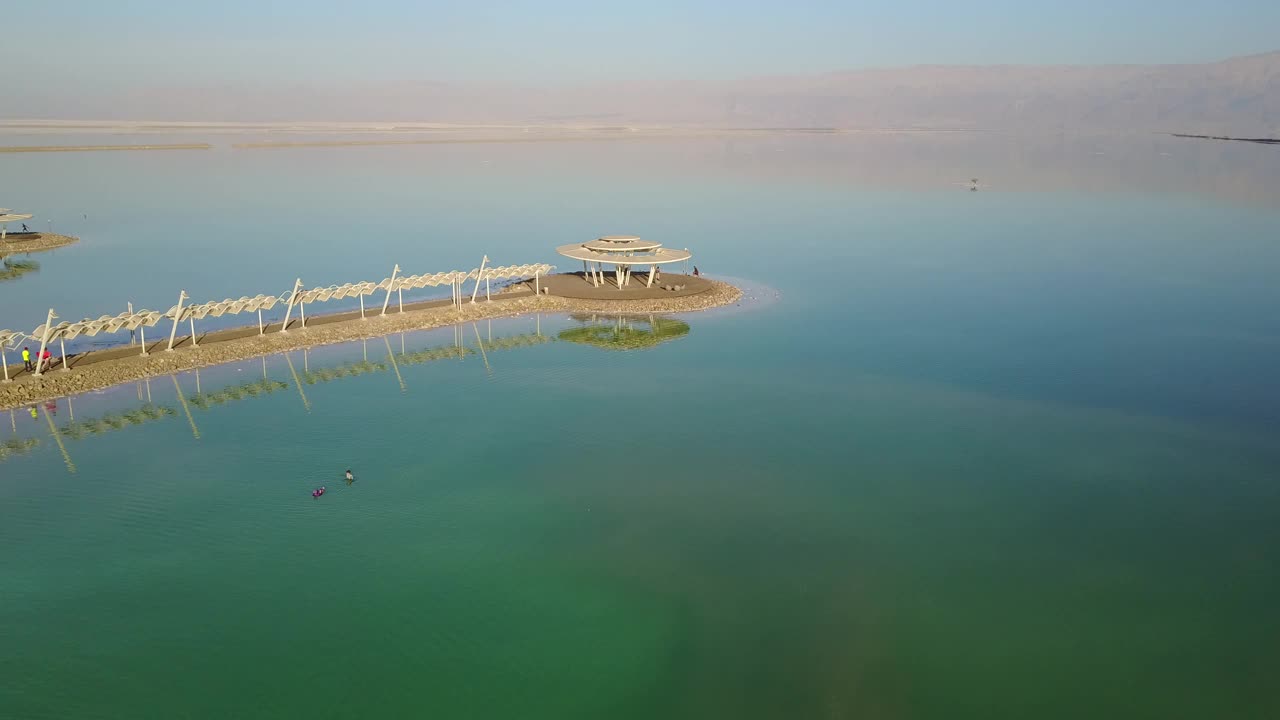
[(622, 252), (624, 332)]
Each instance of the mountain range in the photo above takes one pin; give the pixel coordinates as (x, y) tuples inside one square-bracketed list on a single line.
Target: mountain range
[(1238, 96)]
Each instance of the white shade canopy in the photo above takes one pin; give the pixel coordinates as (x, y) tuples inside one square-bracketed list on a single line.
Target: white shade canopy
[(656, 256)]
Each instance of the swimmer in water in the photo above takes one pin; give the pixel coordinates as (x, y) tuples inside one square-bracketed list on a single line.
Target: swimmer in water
[(350, 478), (317, 492)]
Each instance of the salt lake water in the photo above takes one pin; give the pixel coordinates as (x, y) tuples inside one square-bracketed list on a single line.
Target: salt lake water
[(1005, 453)]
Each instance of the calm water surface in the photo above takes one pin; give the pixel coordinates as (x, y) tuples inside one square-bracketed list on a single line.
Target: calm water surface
[(1011, 453)]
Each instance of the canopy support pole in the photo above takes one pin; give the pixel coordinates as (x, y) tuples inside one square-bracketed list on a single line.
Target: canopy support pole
[(44, 340), (177, 318), (390, 285), (142, 333), (293, 297), (4, 360), (62, 343), (193, 331), (476, 290), (652, 269)]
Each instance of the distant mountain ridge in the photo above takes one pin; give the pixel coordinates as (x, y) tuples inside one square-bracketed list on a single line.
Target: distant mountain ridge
[(1236, 96), (1239, 96)]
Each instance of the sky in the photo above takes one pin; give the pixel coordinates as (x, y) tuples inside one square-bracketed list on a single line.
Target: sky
[(52, 52), (570, 40)]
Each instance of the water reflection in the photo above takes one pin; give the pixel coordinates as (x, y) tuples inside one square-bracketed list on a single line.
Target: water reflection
[(191, 397)]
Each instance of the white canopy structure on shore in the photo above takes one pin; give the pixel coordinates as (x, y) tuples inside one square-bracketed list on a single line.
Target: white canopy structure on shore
[(7, 217), (622, 252)]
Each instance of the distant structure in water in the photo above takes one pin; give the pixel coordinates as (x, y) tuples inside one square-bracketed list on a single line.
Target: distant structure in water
[(973, 185)]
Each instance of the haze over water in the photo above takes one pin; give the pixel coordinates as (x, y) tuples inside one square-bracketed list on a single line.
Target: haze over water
[(1004, 453)]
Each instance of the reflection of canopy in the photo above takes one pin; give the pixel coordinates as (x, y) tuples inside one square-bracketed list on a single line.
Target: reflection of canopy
[(623, 334)]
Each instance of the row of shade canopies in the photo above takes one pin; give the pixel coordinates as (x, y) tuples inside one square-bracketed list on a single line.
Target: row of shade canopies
[(622, 252)]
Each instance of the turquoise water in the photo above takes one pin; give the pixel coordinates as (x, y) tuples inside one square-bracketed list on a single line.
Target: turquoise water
[(1010, 453)]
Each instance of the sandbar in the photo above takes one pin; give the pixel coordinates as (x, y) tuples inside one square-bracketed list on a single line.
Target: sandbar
[(98, 148), (99, 369), (26, 242)]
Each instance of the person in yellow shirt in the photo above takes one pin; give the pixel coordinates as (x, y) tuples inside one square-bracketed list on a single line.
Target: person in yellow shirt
[(26, 358)]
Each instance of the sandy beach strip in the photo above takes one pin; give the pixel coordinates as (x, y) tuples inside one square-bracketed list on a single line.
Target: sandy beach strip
[(100, 148), (620, 134), (99, 369), (27, 242)]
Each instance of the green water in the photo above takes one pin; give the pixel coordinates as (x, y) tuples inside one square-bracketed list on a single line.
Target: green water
[(1004, 455)]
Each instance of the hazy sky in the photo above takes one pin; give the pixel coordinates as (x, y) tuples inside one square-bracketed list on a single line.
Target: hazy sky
[(65, 47)]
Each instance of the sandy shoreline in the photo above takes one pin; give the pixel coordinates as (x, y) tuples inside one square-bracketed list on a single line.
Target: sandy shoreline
[(98, 148), (99, 369), (20, 242)]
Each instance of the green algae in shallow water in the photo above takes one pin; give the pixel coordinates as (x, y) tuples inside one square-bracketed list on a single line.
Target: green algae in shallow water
[(78, 429), (236, 392), (17, 446), (17, 268), (625, 333), (342, 371)]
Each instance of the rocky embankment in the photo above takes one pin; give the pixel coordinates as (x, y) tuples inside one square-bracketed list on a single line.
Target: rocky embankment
[(25, 242)]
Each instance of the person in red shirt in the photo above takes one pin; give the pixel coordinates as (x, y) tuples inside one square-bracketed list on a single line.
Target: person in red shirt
[(46, 360)]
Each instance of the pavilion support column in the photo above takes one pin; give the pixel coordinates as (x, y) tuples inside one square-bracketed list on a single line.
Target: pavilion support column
[(62, 343), (362, 317), (652, 270), (5, 361), (617, 275), (192, 319), (142, 333), (261, 330)]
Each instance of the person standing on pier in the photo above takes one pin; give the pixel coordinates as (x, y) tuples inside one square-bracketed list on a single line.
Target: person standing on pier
[(26, 359)]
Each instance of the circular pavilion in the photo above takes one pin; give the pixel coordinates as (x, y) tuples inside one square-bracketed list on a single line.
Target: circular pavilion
[(622, 252)]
